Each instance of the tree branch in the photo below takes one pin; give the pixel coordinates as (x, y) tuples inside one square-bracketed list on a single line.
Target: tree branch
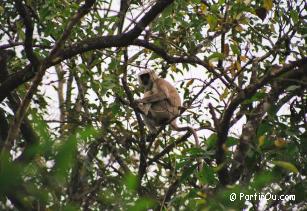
[(28, 32), (183, 59), (121, 40), (250, 128), (168, 148), (13, 131), (248, 92)]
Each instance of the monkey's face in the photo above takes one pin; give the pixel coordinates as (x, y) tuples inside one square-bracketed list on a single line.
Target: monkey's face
[(145, 79)]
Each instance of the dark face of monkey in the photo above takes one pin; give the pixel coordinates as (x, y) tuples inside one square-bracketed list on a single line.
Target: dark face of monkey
[(145, 79)]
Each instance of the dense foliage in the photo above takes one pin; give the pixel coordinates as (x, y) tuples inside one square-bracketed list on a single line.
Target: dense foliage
[(70, 136)]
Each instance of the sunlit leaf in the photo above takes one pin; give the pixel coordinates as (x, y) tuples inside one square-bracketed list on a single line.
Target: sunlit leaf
[(243, 58), (20, 30), (286, 165), (212, 21), (190, 82), (238, 65), (203, 8), (239, 28), (261, 140), (224, 95), (268, 4), (173, 68), (235, 49), (216, 55), (292, 88), (280, 143)]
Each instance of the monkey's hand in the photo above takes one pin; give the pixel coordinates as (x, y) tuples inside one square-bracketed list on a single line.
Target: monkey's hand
[(138, 101)]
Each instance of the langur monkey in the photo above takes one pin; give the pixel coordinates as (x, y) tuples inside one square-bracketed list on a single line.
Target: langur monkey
[(160, 103)]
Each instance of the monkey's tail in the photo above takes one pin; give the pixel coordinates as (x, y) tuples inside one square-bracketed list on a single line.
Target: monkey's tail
[(187, 128), (191, 130)]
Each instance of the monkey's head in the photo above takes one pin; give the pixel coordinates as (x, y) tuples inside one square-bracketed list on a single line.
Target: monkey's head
[(146, 78)]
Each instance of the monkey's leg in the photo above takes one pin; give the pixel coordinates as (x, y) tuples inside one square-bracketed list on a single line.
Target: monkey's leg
[(151, 127), (144, 108), (150, 124)]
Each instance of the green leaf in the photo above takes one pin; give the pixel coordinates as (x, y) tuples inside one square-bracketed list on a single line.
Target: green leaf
[(183, 162), (1, 10), (257, 97), (194, 151), (286, 165), (235, 49), (70, 207), (88, 132), (206, 175), (211, 142), (65, 156), (115, 109), (212, 21), (231, 141), (20, 31), (261, 140), (262, 179), (224, 94), (219, 167), (187, 172), (294, 16), (10, 174), (130, 181), (263, 128), (292, 88), (216, 55), (142, 204)]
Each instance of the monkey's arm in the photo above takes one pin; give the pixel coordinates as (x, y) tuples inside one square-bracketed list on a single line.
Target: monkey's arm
[(153, 98)]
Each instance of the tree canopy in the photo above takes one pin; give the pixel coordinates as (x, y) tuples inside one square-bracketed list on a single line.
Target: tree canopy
[(71, 136)]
